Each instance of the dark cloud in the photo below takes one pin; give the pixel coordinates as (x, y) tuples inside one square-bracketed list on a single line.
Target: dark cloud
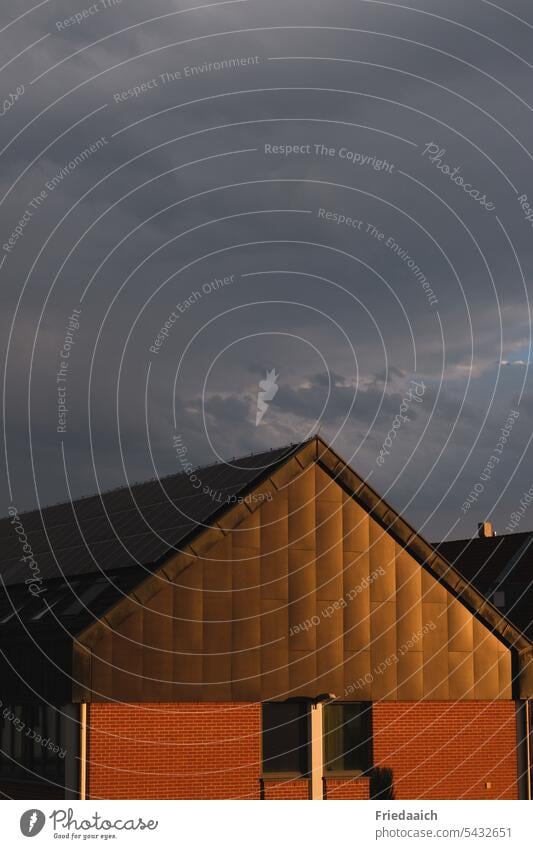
[(182, 195)]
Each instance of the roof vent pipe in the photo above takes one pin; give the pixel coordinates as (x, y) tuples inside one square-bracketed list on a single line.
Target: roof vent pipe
[(484, 529)]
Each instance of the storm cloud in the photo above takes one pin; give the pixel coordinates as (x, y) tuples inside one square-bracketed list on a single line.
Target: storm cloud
[(195, 196)]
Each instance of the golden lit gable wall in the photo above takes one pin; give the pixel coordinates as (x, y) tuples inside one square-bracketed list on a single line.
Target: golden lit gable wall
[(306, 595)]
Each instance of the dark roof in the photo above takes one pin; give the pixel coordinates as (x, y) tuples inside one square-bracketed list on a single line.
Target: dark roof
[(498, 564), (92, 551)]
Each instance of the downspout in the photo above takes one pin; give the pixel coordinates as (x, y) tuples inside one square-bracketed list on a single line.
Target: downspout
[(317, 751), (83, 750), (528, 748)]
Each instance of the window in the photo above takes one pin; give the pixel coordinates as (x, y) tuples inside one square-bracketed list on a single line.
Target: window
[(30, 738), (285, 737), (347, 737)]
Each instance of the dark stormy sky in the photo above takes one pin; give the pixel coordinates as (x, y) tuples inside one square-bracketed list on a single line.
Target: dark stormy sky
[(234, 138)]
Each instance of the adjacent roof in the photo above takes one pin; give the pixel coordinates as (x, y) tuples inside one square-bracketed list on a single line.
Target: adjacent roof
[(130, 525), (92, 551), (498, 565)]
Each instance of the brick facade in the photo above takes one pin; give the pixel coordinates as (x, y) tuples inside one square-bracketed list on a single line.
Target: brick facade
[(437, 750), (347, 788), (448, 750), (174, 751), (296, 789)]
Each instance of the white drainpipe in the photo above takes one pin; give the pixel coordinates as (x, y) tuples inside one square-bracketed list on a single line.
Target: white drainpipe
[(528, 747), (317, 751), (83, 750)]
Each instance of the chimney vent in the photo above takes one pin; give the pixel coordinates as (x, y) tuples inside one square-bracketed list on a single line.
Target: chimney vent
[(484, 529)]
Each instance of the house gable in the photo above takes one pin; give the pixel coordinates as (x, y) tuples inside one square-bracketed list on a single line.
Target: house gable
[(303, 588)]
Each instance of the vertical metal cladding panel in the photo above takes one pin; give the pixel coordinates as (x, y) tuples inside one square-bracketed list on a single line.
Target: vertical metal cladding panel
[(383, 649), (410, 672), (217, 566), (274, 539), (275, 678), (432, 591), (188, 631), (408, 601), (245, 569), (356, 524), (246, 599), (274, 649), (435, 648), (127, 659), (329, 551), (460, 626), (216, 684), (246, 676), (486, 667), (382, 560), (157, 637), (218, 631), (505, 672), (330, 650), (302, 600), (358, 676), (302, 673), (248, 533), (410, 680), (356, 614), (326, 488), (274, 624), (246, 640), (461, 674), (187, 594), (218, 613), (302, 516)]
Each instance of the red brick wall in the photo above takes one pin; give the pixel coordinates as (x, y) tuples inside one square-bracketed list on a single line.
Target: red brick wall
[(436, 750), (447, 750), (296, 789), (174, 751), (347, 788)]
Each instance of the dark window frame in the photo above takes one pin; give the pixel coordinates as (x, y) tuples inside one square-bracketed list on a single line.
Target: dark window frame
[(348, 760), (22, 758), (299, 752)]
